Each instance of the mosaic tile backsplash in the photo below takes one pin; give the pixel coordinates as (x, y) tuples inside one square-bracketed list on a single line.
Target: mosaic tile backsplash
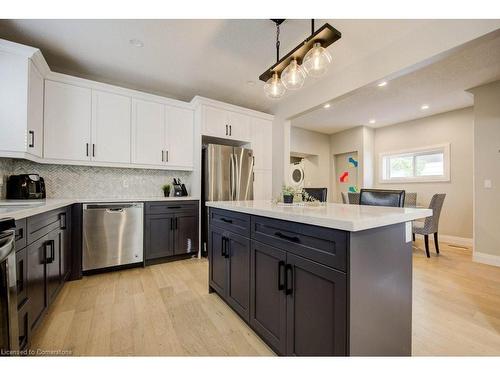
[(68, 181)]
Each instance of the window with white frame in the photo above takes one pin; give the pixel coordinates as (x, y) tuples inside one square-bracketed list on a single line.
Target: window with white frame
[(416, 165)]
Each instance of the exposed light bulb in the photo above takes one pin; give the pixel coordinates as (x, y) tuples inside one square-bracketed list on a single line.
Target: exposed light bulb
[(372, 121), (424, 107), (382, 84), (274, 88), (293, 76), (326, 106), (316, 61)]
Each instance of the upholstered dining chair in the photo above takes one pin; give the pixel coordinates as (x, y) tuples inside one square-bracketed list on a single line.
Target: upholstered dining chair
[(380, 197), (411, 200), (431, 224), (353, 198), (319, 194)]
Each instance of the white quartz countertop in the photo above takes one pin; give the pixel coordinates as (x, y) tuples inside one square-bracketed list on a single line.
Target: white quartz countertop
[(19, 209), (348, 217)]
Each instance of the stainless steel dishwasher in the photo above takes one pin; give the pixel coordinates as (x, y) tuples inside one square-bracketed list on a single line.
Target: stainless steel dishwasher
[(112, 234)]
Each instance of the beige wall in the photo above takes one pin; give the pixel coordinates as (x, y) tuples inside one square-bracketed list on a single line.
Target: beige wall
[(456, 128), (314, 147), (360, 139), (487, 167)]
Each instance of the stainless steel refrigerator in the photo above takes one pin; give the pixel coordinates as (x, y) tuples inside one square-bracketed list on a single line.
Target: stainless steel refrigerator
[(227, 176)]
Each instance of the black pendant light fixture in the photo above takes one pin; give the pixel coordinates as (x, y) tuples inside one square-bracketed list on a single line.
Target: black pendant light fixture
[(309, 58)]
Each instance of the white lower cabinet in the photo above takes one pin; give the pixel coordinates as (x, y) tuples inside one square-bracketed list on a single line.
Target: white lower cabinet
[(148, 133), (67, 122), (180, 136), (263, 184), (111, 127)]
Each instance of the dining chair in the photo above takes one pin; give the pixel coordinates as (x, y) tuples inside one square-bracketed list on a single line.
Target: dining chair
[(380, 197), (353, 198), (430, 224), (319, 194), (411, 200)]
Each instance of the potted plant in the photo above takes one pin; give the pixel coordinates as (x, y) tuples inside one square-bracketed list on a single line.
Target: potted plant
[(288, 193), (166, 190)]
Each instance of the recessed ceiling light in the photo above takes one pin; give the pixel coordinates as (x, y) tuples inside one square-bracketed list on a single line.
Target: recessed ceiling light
[(424, 107), (372, 121), (326, 106), (382, 84), (136, 43)]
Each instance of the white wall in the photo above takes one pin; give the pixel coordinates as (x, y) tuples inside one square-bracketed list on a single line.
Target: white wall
[(456, 128), (317, 162), (487, 167)]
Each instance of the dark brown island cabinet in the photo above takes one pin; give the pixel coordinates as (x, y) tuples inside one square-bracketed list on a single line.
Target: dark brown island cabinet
[(170, 229), (314, 291), (43, 256)]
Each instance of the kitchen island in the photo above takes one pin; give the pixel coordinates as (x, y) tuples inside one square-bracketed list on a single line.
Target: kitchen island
[(332, 279)]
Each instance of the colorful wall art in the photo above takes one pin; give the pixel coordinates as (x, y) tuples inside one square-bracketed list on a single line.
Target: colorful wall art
[(346, 171)]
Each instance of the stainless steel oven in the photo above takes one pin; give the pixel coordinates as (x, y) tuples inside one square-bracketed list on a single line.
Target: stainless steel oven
[(9, 336)]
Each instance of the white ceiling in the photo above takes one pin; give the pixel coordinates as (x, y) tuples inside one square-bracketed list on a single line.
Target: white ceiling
[(440, 85), (184, 58)]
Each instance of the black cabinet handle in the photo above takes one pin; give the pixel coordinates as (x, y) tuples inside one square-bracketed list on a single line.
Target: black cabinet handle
[(176, 221), (229, 221), (227, 252), (289, 279), (167, 156), (162, 156), (174, 207), (226, 129), (230, 129), (281, 267), (87, 149), (288, 238), (62, 220), (93, 149), (19, 234), (32, 139), (171, 223), (20, 276), (223, 247), (50, 244)]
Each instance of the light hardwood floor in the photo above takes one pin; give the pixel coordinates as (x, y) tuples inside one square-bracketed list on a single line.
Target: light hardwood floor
[(166, 310)]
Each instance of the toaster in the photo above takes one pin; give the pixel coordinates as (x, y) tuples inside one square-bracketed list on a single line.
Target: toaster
[(25, 186)]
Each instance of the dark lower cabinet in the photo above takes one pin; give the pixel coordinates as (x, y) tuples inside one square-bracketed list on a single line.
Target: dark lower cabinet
[(229, 269), (316, 308), (36, 254), (267, 297), (217, 268), (159, 236), (296, 304), (53, 246), (42, 267), (238, 273), (186, 233), (170, 229)]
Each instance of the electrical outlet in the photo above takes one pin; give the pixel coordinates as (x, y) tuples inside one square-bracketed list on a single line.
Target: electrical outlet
[(487, 184), (125, 183)]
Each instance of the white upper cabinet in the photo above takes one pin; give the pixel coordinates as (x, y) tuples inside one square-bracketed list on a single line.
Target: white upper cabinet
[(111, 127), (21, 106), (262, 142), (215, 122), (180, 136), (226, 124), (67, 122), (148, 133), (239, 126), (35, 111)]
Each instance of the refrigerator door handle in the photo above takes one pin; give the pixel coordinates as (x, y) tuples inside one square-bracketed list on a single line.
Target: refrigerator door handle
[(232, 178)]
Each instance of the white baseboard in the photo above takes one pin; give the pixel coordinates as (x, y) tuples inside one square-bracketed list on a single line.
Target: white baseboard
[(460, 241), (493, 260)]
